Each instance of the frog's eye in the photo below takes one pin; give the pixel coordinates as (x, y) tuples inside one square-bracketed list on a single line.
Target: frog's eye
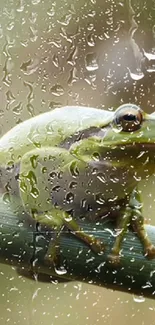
[(129, 117)]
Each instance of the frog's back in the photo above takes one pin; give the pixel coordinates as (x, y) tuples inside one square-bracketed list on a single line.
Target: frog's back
[(50, 129)]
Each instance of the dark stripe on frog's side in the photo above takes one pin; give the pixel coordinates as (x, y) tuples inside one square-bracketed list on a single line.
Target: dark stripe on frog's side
[(84, 134), (9, 177)]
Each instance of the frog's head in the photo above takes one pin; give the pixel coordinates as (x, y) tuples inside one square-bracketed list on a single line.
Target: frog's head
[(125, 139), (129, 138)]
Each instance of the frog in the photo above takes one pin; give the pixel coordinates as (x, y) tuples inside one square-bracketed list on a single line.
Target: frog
[(77, 162)]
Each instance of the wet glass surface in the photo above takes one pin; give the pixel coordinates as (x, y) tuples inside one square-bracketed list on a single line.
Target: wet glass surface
[(92, 53)]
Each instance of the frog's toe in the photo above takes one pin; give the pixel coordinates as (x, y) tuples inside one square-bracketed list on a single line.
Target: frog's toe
[(150, 251), (98, 247), (114, 259)]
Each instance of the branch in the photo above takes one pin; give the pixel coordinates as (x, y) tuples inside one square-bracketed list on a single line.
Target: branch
[(21, 246)]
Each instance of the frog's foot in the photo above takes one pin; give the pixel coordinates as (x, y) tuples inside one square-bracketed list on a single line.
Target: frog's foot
[(52, 257), (114, 259), (150, 251), (97, 246), (51, 260)]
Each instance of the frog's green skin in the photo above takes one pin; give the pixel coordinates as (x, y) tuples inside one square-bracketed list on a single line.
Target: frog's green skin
[(78, 159)]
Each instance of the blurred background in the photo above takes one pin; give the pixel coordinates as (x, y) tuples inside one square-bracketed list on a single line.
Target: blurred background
[(93, 53)]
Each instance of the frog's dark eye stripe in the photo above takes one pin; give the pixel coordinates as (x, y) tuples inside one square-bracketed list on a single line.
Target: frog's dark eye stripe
[(128, 117), (84, 134)]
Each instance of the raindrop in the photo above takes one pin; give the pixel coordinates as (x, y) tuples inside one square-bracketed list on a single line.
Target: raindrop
[(73, 169), (6, 197), (11, 25), (56, 188), (7, 71), (57, 90), (1, 31), (51, 12), (33, 17), (114, 179), (52, 175), (34, 192), (83, 203), (96, 156), (149, 56), (139, 299), (72, 76), (138, 179), (65, 20), (20, 7), (101, 177), (99, 198), (91, 62), (73, 185), (98, 269), (33, 34), (10, 99), (31, 177), (137, 75), (60, 271), (30, 66), (55, 60), (151, 69), (69, 197), (35, 2), (34, 161), (72, 56), (18, 109), (91, 40)]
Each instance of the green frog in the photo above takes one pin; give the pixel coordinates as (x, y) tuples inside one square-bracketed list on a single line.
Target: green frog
[(82, 162)]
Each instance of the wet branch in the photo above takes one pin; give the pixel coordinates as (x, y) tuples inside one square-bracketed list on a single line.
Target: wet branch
[(22, 246)]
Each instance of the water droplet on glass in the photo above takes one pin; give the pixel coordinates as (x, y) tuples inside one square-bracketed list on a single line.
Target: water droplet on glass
[(99, 198), (101, 177), (72, 56), (11, 25), (51, 12), (34, 192), (55, 60), (20, 6), (91, 39), (33, 34), (35, 2), (6, 197), (69, 197), (73, 169), (30, 66), (139, 299), (18, 109), (65, 20), (33, 17), (72, 76), (1, 31), (60, 271), (34, 161), (83, 203), (136, 75), (56, 188), (149, 56), (91, 62), (151, 69), (57, 90), (8, 67), (73, 185)]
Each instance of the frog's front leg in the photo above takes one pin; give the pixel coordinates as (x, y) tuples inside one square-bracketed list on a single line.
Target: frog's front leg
[(137, 223), (36, 170), (132, 215)]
